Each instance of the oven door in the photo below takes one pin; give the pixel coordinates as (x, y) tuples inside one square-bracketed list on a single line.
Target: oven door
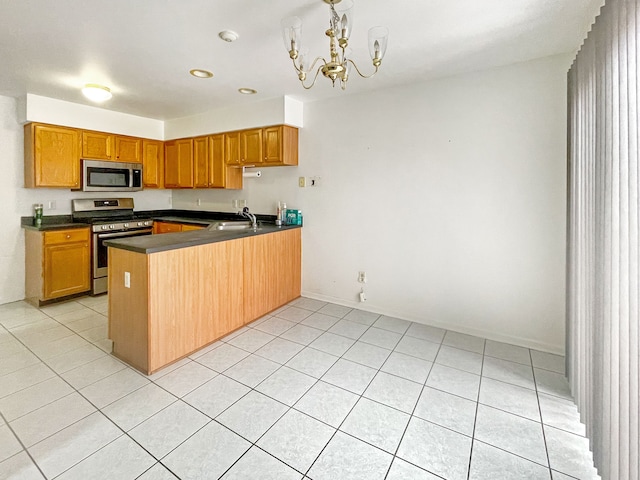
[(100, 260)]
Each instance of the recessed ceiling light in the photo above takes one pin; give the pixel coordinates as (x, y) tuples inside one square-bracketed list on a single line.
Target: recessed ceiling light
[(96, 93), (196, 72), (228, 35), (247, 91)]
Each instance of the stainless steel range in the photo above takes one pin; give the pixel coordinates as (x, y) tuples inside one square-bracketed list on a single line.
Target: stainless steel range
[(109, 218)]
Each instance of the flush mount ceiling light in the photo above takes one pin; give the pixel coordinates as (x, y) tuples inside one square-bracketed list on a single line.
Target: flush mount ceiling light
[(228, 35), (339, 66), (96, 93), (247, 91), (196, 72)]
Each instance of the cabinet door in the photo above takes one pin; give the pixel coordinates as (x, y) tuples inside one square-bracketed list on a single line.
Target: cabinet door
[(128, 149), (232, 148), (272, 144), (166, 227), (187, 227), (52, 156), (251, 147), (217, 165), (178, 164), (201, 162), (153, 163), (97, 145), (280, 145), (66, 263)]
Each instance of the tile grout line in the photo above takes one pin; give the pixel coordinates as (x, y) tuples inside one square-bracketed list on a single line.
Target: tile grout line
[(475, 417), (411, 415), (24, 448)]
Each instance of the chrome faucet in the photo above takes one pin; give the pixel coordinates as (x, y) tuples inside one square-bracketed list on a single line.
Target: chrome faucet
[(247, 214)]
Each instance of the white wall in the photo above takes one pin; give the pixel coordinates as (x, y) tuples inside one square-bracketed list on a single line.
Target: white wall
[(449, 194), (11, 236), (17, 201), (272, 111), (35, 108)]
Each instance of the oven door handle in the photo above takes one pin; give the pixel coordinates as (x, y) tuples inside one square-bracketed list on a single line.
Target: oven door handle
[(128, 233)]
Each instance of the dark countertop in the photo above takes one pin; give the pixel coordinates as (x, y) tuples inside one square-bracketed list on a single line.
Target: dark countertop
[(196, 217), (172, 241), (51, 222)]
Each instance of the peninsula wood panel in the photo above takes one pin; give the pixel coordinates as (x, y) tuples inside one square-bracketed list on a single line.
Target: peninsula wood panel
[(128, 309), (272, 272), (195, 297)]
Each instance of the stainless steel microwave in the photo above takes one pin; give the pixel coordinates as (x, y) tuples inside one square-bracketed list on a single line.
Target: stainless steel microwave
[(99, 176)]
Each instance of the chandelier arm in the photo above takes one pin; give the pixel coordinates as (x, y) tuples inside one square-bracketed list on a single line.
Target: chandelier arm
[(313, 65), (358, 70), (314, 78)]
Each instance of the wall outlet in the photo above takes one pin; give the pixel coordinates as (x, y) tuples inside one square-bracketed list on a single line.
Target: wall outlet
[(127, 280), (363, 297), (362, 277), (198, 202), (302, 182), (52, 205)]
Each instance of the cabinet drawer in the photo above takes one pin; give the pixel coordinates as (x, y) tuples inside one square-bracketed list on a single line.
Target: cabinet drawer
[(66, 236)]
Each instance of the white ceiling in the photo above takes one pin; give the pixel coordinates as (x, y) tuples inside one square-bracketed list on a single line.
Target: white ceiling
[(144, 49)]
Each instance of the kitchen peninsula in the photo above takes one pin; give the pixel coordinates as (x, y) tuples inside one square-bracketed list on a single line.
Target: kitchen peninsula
[(172, 294)]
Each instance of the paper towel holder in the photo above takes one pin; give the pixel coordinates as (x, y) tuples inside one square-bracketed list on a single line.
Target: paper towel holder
[(246, 174)]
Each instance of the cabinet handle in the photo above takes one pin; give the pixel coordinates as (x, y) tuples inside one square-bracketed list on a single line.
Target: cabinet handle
[(68, 237)]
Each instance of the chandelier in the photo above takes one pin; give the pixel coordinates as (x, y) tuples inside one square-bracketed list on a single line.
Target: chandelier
[(339, 65)]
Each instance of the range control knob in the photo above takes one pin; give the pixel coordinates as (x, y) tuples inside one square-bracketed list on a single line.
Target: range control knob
[(125, 225), (140, 224), (112, 226), (147, 223), (104, 227)]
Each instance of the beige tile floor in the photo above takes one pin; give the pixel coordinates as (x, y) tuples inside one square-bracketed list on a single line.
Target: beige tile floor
[(316, 391)]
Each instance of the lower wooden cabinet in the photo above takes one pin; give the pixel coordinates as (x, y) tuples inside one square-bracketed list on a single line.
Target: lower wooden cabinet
[(170, 227), (58, 264)]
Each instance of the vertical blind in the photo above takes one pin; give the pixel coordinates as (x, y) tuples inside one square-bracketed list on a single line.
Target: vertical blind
[(603, 357)]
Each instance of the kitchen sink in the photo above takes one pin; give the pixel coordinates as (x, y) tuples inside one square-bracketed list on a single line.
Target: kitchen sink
[(231, 226)]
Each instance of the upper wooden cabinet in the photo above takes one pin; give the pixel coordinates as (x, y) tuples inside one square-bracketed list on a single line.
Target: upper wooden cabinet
[(128, 149), (97, 145), (222, 175), (269, 146), (201, 162), (232, 148), (110, 147), (178, 163), (153, 163), (244, 147), (280, 145), (251, 147), (210, 168), (52, 156)]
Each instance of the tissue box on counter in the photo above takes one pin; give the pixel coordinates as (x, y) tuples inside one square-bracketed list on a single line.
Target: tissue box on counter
[(294, 217)]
